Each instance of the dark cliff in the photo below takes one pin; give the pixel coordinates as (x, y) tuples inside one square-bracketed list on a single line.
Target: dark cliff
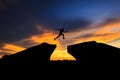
[(34, 55), (94, 53), (86, 53)]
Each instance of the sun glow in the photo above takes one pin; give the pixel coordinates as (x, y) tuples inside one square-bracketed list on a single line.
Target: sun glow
[(11, 49), (106, 33), (59, 53)]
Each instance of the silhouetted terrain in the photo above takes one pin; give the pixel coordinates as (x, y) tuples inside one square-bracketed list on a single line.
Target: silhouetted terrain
[(87, 54), (35, 55), (93, 53)]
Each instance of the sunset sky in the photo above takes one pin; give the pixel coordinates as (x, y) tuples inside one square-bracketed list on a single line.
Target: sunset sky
[(26, 23)]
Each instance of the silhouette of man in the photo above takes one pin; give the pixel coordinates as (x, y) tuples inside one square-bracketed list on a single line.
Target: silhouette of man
[(60, 33)]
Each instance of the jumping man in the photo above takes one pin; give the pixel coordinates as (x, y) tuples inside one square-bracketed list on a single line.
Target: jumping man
[(60, 33)]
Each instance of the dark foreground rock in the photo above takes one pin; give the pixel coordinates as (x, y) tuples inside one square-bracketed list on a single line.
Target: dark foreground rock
[(93, 53), (87, 54), (35, 55)]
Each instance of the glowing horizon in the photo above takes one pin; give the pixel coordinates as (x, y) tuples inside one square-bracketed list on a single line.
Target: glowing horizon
[(108, 33)]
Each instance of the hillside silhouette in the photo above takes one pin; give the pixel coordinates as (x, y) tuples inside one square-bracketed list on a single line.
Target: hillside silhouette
[(87, 53), (35, 55), (93, 53)]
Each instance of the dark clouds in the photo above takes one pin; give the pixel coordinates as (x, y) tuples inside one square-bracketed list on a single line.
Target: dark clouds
[(67, 24), (19, 18), (112, 20), (5, 4), (10, 33)]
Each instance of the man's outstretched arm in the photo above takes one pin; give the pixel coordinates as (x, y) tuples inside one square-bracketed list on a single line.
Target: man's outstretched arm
[(58, 29)]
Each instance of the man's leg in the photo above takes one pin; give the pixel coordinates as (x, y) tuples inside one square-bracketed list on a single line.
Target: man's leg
[(63, 36), (57, 37)]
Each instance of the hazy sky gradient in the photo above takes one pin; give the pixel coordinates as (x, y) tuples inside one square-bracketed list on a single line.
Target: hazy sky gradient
[(25, 23)]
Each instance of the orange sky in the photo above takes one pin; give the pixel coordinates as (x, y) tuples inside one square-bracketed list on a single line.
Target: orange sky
[(108, 33)]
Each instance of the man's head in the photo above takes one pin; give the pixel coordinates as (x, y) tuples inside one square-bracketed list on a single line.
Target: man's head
[(62, 28)]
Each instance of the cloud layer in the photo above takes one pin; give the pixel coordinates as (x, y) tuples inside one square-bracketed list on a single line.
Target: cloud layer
[(107, 32), (25, 23)]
